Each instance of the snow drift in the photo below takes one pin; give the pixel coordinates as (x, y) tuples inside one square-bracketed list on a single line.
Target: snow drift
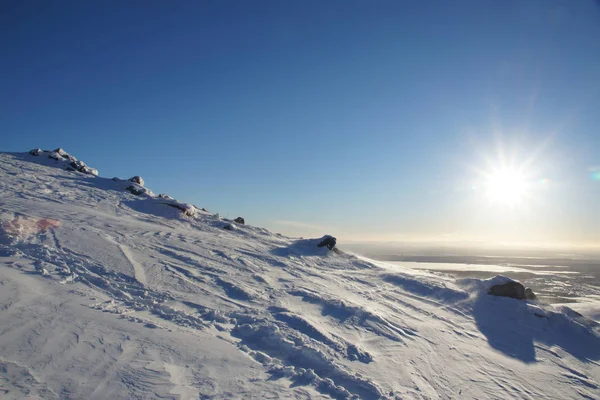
[(110, 294)]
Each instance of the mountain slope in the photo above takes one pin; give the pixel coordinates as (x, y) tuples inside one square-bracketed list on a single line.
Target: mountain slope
[(107, 294)]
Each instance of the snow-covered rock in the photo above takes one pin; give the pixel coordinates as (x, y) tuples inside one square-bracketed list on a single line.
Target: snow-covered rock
[(64, 160), (187, 209), (307, 247), (61, 152), (137, 179), (135, 189)]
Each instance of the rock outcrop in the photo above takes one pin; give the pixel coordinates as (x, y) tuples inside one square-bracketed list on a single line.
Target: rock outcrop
[(328, 241), (512, 289), (137, 179), (70, 163)]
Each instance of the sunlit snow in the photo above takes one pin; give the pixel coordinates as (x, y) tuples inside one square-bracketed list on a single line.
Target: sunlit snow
[(105, 294)]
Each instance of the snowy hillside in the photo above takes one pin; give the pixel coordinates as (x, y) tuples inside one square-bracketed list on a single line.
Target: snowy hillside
[(108, 291)]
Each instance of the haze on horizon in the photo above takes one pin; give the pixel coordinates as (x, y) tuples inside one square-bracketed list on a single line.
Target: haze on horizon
[(470, 122)]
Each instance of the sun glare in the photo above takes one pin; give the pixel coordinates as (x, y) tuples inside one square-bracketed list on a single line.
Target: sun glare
[(506, 186)]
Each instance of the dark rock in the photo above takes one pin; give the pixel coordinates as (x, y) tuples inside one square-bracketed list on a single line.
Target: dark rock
[(513, 290), (239, 220), (204, 209), (35, 152), (137, 179), (529, 295), (228, 227), (572, 313), (328, 241), (89, 171), (54, 155), (186, 209), (81, 167), (135, 190), (78, 165), (165, 196)]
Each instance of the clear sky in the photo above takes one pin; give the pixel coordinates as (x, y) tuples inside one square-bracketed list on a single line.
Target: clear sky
[(388, 120)]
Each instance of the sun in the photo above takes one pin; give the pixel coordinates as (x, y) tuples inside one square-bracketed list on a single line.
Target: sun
[(506, 186)]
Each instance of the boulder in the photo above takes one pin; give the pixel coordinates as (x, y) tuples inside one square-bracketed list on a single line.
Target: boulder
[(60, 152), (35, 152), (239, 220), (187, 209), (512, 289), (80, 166), (137, 179), (89, 171), (135, 190), (228, 227), (328, 241), (529, 295)]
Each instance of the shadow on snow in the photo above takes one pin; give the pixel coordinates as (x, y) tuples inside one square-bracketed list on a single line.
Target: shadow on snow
[(513, 327)]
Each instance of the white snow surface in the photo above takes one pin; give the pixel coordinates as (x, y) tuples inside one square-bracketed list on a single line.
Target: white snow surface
[(109, 295)]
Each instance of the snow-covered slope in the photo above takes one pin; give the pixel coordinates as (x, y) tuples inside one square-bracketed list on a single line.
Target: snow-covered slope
[(109, 295)]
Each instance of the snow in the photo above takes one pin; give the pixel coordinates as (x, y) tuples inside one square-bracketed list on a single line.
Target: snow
[(105, 294), (588, 306)]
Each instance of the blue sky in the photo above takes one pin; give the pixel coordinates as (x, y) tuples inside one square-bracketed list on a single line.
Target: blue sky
[(369, 121)]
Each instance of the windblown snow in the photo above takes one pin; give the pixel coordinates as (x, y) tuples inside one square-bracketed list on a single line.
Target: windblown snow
[(108, 291)]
